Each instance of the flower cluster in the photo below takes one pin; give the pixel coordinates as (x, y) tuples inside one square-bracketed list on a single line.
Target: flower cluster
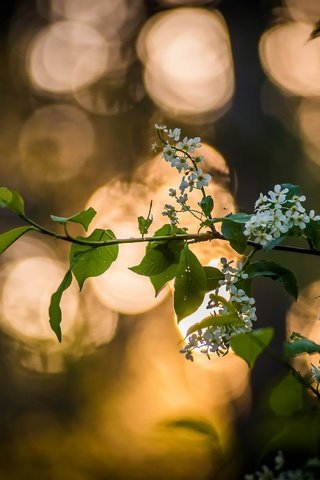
[(239, 309), (276, 214), (308, 471), (179, 154)]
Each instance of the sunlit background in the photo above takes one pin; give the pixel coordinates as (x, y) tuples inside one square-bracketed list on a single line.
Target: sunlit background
[(82, 83)]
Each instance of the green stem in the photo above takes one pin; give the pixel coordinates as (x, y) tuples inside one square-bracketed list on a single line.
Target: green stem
[(191, 238)]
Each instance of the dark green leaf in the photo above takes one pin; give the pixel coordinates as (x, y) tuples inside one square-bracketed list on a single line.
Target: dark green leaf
[(206, 205), (166, 230), (273, 243), (54, 309), (190, 284), (87, 261), (215, 321), (213, 276), (294, 190), (250, 345), (154, 262), (233, 231), (8, 238), (160, 280), (286, 397), (299, 345), (84, 218), (12, 200), (238, 217), (275, 271), (312, 231)]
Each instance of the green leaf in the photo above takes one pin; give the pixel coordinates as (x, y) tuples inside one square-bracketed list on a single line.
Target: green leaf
[(250, 345), (312, 231), (84, 218), (8, 238), (87, 261), (160, 280), (54, 309), (206, 205), (238, 217), (213, 276), (294, 190), (154, 262), (233, 231), (144, 224), (166, 230), (273, 243), (160, 262), (190, 284), (286, 397), (275, 271), (299, 345), (215, 321), (12, 200)]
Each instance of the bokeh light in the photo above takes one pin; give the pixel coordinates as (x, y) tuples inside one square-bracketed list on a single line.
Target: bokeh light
[(307, 11), (54, 143), (31, 273), (118, 205), (188, 63), (25, 299), (290, 62), (65, 56), (303, 317)]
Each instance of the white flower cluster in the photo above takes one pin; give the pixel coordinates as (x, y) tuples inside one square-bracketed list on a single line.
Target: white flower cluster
[(276, 214), (315, 372), (308, 471), (179, 153), (216, 339)]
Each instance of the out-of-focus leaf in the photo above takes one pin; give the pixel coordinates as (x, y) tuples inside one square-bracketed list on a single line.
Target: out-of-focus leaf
[(194, 425), (250, 345), (286, 397), (12, 200)]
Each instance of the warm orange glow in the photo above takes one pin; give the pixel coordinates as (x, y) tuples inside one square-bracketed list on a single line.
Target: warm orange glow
[(188, 63), (55, 142), (306, 11), (118, 205), (25, 299), (303, 317), (66, 56), (178, 3), (289, 61), (115, 20)]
